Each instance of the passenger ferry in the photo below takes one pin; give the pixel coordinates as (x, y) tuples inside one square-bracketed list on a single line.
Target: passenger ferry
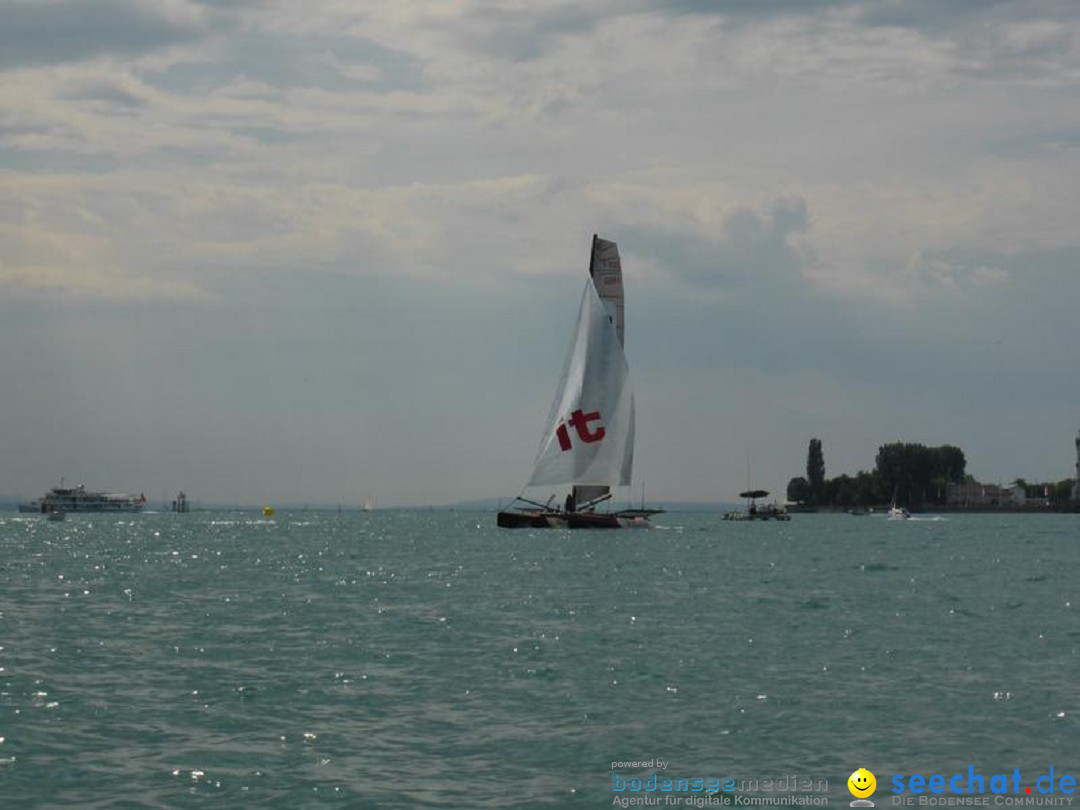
[(80, 499)]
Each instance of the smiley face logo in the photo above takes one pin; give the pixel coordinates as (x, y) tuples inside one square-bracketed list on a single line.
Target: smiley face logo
[(861, 783)]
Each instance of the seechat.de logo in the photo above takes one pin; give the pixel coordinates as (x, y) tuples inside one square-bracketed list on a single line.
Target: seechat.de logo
[(1048, 787)]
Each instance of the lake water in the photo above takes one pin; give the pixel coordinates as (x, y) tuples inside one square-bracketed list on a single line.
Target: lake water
[(428, 659)]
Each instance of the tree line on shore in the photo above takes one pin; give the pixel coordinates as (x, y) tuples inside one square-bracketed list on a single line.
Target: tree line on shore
[(907, 474)]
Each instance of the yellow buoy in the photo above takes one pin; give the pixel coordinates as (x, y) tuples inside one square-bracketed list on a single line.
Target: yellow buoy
[(268, 511)]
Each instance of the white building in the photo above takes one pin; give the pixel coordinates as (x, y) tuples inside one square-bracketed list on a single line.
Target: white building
[(1015, 494)]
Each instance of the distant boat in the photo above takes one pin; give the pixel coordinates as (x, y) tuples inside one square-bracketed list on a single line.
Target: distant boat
[(770, 511), (80, 499), (898, 513), (268, 511), (588, 444), (369, 504)]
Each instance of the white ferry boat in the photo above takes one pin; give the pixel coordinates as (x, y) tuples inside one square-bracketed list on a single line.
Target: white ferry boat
[(80, 499)]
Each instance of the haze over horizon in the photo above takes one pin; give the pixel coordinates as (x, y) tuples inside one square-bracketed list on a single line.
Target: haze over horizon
[(320, 252)]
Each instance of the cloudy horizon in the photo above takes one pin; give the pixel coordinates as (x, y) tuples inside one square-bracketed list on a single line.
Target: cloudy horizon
[(269, 252)]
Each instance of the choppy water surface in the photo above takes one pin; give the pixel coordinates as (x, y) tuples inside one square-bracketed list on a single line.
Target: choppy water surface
[(428, 659)]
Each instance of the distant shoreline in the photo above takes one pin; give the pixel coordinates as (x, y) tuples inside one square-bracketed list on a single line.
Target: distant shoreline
[(936, 509), (670, 506)]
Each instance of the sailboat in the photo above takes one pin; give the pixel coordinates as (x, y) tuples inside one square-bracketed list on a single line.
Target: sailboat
[(897, 512), (588, 442)]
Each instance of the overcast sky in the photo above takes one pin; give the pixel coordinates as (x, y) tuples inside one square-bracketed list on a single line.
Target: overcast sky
[(323, 251)]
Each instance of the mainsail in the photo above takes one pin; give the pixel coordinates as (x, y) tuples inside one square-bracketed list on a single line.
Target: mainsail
[(605, 270), (589, 438)]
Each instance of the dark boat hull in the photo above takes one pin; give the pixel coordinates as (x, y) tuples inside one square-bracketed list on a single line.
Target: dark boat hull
[(523, 520), (537, 519), (768, 513)]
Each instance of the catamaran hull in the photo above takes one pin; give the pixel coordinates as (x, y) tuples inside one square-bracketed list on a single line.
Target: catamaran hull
[(556, 520), (573, 520), (524, 520)]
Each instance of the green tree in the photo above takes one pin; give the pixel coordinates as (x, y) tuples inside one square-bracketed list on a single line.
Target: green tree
[(798, 490), (815, 471), (950, 463), (868, 489), (914, 474), (1063, 491), (841, 490)]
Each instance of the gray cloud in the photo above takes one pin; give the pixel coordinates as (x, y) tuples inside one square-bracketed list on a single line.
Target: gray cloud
[(36, 33), (930, 15), (285, 61), (111, 93), (933, 15), (56, 161), (523, 34), (752, 249), (227, 4), (749, 8)]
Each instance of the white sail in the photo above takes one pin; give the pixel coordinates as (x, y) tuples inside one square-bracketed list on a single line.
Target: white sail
[(605, 269), (590, 430)]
